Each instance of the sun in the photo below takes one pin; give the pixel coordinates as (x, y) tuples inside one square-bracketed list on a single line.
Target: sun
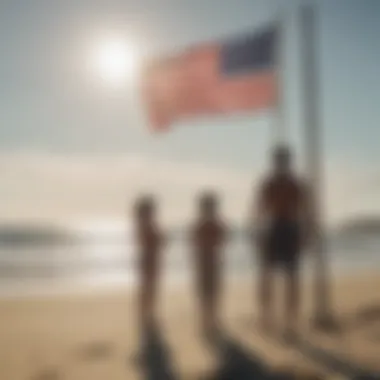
[(114, 61)]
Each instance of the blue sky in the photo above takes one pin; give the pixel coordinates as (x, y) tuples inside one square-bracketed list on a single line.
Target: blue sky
[(53, 113)]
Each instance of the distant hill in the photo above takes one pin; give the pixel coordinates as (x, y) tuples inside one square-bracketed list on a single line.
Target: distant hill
[(33, 235), (369, 225)]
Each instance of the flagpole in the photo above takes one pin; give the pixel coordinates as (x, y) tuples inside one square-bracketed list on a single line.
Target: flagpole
[(313, 152), (279, 123)]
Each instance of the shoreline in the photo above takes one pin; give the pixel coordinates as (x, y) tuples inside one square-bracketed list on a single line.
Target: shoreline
[(46, 288)]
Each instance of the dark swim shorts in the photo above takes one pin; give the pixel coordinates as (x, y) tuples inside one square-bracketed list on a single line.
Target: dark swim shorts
[(282, 244)]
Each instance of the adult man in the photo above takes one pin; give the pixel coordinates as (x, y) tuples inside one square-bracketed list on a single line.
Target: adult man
[(283, 215)]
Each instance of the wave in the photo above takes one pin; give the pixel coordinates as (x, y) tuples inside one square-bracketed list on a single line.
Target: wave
[(33, 235)]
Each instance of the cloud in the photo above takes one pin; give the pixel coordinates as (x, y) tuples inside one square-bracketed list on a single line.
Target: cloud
[(70, 187)]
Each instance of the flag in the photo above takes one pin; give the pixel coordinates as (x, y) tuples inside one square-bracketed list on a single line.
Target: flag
[(212, 79)]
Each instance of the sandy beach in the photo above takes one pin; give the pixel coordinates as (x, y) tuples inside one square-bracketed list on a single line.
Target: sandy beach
[(93, 335)]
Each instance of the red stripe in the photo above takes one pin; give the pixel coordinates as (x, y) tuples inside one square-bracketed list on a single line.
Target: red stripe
[(191, 85)]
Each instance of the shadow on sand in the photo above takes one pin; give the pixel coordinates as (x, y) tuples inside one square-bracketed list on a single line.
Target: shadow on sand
[(333, 362), (364, 316), (237, 362), (155, 361)]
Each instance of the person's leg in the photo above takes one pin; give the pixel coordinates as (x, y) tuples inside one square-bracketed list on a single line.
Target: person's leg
[(146, 321), (148, 294), (203, 296), (268, 262), (288, 257), (210, 294), (146, 301), (214, 292), (292, 302), (292, 263), (265, 295)]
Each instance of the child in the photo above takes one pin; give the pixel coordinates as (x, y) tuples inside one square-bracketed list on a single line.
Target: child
[(149, 240), (208, 236)]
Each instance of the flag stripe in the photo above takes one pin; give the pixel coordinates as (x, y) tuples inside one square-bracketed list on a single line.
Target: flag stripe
[(212, 79)]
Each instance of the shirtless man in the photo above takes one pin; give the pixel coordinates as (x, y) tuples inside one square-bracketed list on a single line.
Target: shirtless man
[(149, 240), (284, 220), (208, 235)]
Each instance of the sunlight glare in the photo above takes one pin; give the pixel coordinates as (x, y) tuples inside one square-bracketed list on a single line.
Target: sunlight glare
[(115, 61)]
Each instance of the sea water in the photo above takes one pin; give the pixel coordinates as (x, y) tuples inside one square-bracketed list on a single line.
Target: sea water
[(111, 261)]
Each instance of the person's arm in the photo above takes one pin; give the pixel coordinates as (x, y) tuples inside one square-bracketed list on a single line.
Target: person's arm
[(261, 204), (309, 216), (150, 236), (258, 212), (162, 238), (223, 233), (193, 236), (137, 234)]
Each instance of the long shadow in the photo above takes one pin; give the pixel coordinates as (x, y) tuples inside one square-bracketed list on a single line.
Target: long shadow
[(239, 363), (365, 315), (155, 361), (334, 362)]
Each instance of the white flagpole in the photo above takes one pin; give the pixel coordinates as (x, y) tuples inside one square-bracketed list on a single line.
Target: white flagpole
[(279, 126), (313, 153)]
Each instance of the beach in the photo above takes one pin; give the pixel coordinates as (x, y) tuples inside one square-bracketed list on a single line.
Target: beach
[(147, 145), (92, 333)]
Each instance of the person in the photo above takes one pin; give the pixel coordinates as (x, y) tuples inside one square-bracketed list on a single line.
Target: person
[(208, 236), (283, 215), (149, 239)]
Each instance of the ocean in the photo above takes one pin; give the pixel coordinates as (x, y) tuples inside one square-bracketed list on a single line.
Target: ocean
[(94, 261)]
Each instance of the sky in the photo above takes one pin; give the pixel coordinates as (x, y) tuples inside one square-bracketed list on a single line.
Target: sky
[(73, 148)]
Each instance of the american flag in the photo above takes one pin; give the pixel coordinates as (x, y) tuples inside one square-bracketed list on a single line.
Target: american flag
[(212, 79)]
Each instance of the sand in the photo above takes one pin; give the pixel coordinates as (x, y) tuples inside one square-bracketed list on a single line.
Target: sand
[(93, 335)]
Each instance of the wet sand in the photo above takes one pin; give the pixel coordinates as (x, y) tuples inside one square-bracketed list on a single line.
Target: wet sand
[(94, 336)]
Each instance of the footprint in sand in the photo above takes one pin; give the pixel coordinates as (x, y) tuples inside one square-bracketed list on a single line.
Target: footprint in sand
[(95, 351), (50, 374), (288, 372), (373, 335)]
